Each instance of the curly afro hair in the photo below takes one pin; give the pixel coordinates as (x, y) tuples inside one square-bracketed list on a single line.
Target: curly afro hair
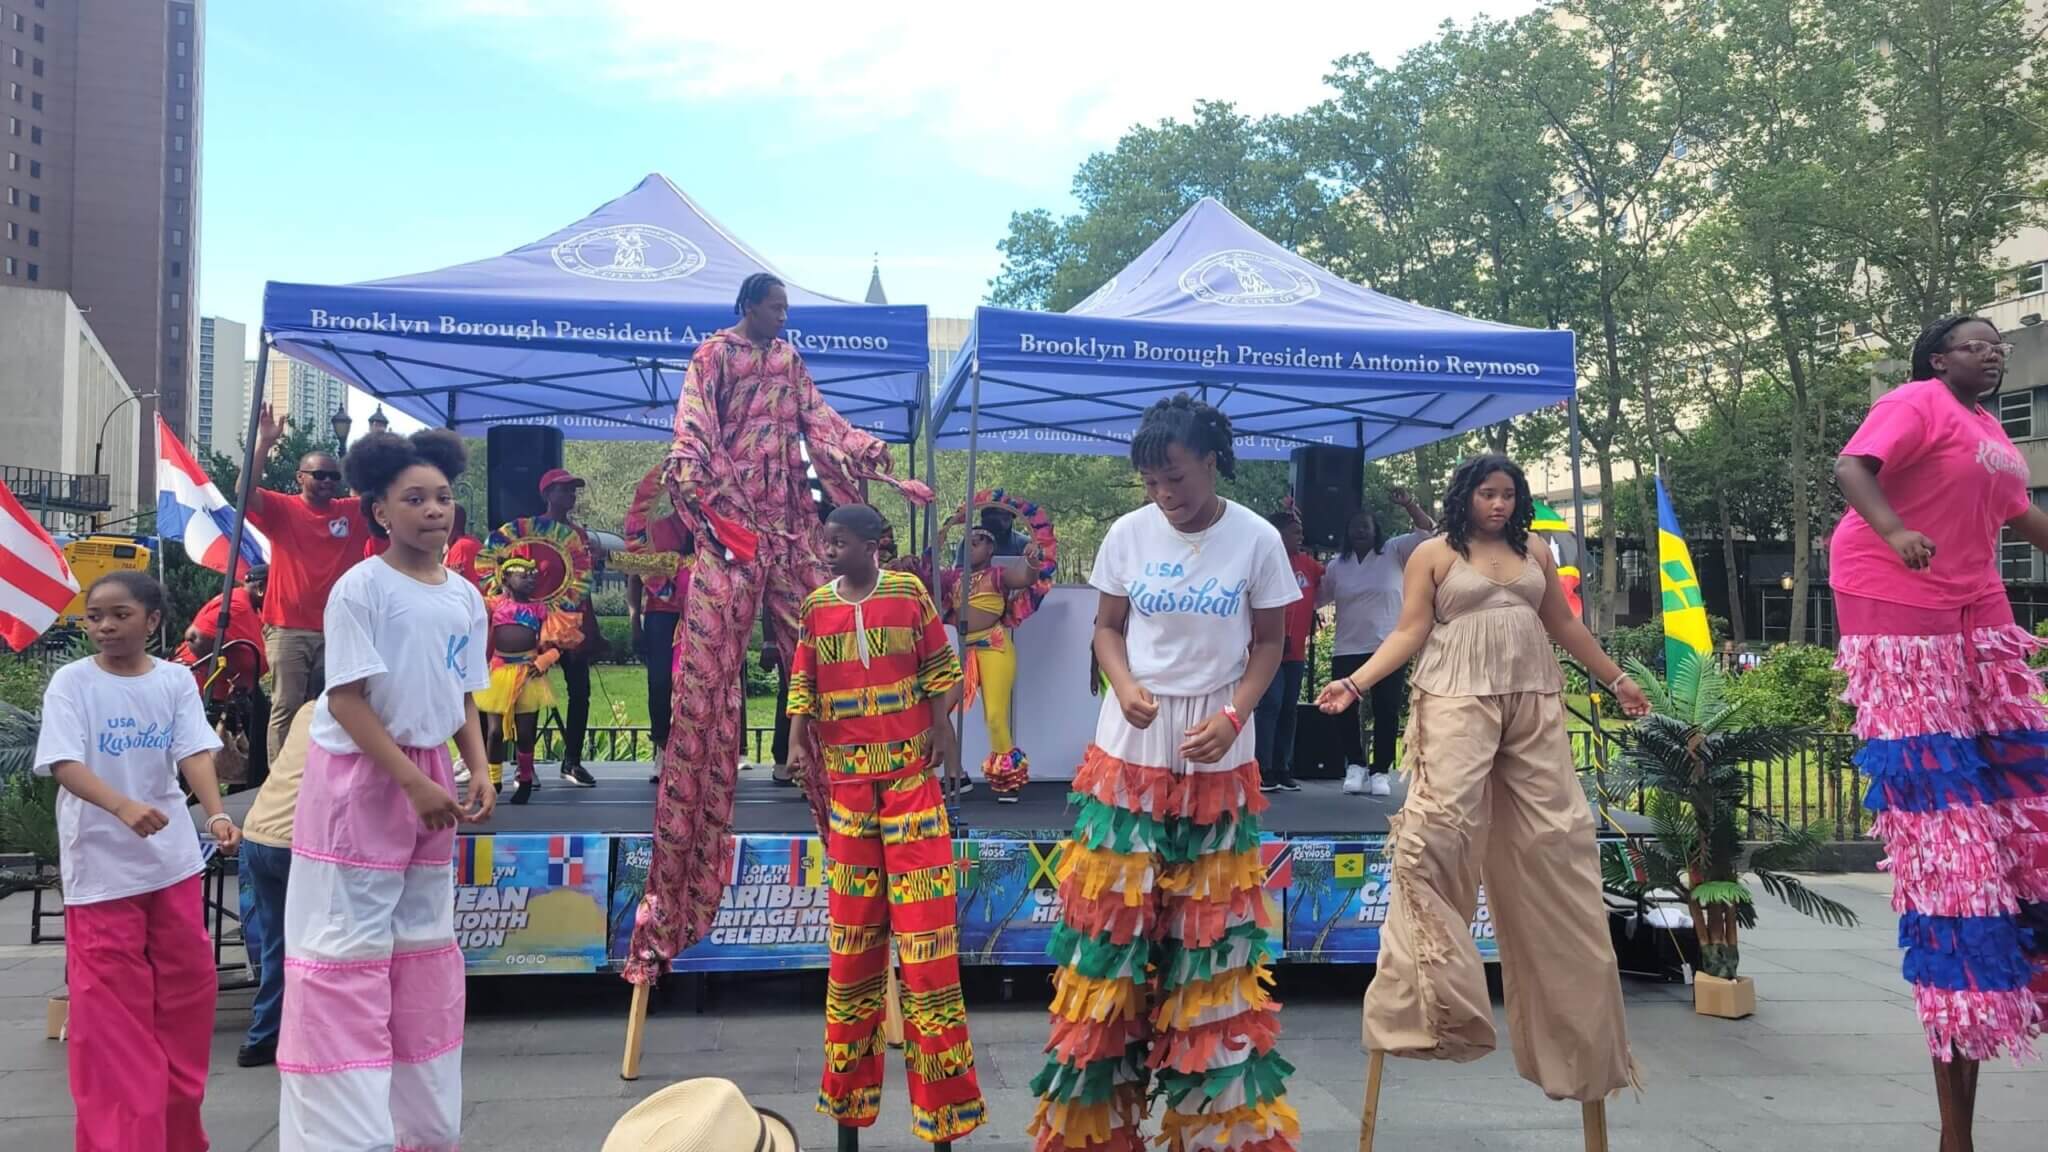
[(1182, 419), (1457, 523), (375, 461)]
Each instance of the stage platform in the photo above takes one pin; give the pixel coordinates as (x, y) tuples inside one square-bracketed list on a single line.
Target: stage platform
[(623, 804)]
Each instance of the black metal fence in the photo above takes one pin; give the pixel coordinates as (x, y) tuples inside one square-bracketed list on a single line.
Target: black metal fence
[(1818, 785)]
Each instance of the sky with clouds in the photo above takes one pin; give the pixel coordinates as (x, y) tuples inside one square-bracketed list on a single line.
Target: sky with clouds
[(353, 139)]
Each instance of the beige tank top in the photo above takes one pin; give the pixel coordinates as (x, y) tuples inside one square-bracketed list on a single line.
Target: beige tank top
[(1488, 639)]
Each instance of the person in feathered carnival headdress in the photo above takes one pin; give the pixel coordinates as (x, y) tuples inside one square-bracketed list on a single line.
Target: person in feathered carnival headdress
[(988, 604), (519, 671), (757, 452)]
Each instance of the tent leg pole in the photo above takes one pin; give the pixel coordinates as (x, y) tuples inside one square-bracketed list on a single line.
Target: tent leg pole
[(967, 517), (1578, 501)]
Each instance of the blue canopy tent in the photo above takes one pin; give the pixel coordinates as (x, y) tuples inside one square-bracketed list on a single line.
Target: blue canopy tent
[(1294, 354), (589, 329)]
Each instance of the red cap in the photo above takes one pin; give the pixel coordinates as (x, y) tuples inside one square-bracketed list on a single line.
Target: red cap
[(556, 476)]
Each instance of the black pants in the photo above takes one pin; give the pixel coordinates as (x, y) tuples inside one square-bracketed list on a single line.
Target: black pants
[(781, 749), (658, 654), (1277, 713), (576, 674), (1386, 698)]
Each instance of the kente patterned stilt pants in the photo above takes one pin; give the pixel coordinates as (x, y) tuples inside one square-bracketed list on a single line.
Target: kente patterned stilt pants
[(891, 874), (1164, 950)]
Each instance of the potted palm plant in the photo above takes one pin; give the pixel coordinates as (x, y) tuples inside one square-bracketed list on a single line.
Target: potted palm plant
[(1689, 763), (28, 825)]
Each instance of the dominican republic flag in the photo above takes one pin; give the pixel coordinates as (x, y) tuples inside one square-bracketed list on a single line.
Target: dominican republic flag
[(565, 861), (35, 582), (191, 510)]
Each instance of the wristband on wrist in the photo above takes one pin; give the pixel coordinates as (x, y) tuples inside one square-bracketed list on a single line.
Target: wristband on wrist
[(1357, 693), (1230, 714), (219, 816), (1614, 686)]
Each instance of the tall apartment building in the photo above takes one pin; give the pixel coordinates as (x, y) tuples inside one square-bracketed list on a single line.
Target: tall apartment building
[(99, 193), (220, 396), (304, 393)]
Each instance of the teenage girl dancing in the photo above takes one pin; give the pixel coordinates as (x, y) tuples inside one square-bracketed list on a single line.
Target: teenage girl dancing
[(519, 673), (371, 1052), (1493, 793), (1164, 944), (117, 731)]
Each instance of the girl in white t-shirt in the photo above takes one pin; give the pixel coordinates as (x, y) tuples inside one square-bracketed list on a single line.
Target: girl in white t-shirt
[(1164, 939), (117, 732), (370, 1055)]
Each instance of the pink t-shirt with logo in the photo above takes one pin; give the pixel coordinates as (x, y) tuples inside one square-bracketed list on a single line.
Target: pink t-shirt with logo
[(1952, 475)]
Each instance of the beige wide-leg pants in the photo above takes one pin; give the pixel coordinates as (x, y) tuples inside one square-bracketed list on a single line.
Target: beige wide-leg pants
[(1491, 789)]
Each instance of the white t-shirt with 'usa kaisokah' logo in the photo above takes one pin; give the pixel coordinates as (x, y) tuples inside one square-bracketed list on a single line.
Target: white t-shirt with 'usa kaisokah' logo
[(419, 646), (1192, 595)]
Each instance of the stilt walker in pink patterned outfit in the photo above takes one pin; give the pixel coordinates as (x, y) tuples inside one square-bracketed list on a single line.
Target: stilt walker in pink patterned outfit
[(748, 420), (370, 1053), (1956, 739)]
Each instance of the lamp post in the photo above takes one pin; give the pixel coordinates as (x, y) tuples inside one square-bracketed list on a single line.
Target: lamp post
[(100, 444), (378, 421), (340, 422)]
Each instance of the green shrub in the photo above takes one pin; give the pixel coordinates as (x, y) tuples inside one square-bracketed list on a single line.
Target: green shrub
[(2040, 659), (22, 680), (1795, 686), (618, 640)]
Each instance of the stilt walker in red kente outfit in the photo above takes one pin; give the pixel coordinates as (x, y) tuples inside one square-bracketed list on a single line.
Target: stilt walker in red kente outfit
[(748, 423), (875, 679)]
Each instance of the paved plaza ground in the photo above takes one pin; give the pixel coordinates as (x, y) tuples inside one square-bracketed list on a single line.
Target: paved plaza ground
[(1832, 1060)]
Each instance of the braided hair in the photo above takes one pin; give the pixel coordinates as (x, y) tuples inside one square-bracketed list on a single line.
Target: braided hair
[(753, 290), (1181, 419), (1457, 522), (1934, 340), (375, 461)]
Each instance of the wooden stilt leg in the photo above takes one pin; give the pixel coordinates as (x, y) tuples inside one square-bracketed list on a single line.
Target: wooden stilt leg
[(1370, 1118), (1596, 1125), (636, 1034), (849, 1138), (892, 1007)]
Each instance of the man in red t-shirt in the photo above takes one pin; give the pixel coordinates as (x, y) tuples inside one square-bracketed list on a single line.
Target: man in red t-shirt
[(1281, 705), (314, 538), (246, 660)]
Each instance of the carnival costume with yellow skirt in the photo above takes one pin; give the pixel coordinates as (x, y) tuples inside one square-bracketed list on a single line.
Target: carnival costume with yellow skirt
[(991, 667)]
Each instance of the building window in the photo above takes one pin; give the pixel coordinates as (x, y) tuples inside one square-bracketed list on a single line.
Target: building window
[(8, 263), (14, 57), (181, 47), (39, 33), (177, 301), (37, 68), (14, 91), (35, 238), (14, 161), (175, 333), (184, 17), (35, 134), (14, 125), (2033, 279), (177, 237), (181, 79), (177, 270), (35, 101), (35, 202), (19, 23), (2016, 414), (35, 169), (14, 195), (177, 175), (35, 272), (13, 230), (177, 143), (178, 111)]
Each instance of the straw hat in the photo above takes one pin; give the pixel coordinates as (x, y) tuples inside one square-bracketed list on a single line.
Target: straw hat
[(706, 1115)]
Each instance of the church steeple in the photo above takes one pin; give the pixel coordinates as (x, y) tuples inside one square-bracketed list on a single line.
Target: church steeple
[(875, 293)]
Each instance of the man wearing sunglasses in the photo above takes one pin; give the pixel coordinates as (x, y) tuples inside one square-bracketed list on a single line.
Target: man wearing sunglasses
[(314, 538)]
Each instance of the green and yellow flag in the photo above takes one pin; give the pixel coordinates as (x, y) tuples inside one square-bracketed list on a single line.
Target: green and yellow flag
[(1686, 636)]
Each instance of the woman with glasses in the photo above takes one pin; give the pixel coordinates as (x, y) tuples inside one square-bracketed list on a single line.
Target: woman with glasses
[(1956, 736)]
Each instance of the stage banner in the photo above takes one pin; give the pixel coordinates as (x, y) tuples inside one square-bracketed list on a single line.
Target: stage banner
[(771, 916), (1337, 897), (528, 904)]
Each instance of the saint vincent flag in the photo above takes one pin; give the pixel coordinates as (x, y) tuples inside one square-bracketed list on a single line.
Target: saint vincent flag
[(1347, 869), (1550, 525), (1685, 614)]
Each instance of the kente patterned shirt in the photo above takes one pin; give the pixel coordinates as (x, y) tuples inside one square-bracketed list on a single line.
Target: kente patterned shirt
[(866, 672)]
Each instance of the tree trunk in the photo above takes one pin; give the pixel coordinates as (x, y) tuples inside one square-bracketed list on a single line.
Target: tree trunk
[(1715, 925), (1735, 629), (1609, 568), (1802, 510), (1610, 335)]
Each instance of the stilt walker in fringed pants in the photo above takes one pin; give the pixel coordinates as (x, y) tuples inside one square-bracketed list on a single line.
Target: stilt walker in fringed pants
[(1957, 752), (875, 678), (737, 477)]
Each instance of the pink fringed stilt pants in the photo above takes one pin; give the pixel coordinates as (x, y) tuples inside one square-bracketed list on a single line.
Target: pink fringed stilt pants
[(1956, 746)]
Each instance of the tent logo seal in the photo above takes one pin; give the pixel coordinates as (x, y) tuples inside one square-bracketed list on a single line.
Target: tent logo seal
[(1236, 278), (636, 253)]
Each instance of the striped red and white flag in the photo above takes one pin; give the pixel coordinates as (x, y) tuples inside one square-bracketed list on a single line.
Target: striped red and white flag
[(35, 582)]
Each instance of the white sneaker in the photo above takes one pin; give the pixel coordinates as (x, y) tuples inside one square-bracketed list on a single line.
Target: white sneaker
[(461, 772), (1354, 780), (1382, 785)]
